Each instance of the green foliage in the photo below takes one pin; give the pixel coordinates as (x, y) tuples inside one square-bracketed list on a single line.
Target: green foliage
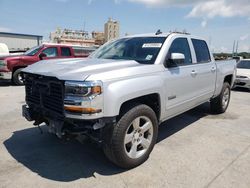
[(221, 56)]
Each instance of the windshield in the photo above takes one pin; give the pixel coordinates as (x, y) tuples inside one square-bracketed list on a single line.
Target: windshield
[(33, 51), (141, 49), (243, 65)]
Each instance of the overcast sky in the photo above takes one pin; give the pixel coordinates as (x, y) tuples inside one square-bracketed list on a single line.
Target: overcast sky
[(219, 21)]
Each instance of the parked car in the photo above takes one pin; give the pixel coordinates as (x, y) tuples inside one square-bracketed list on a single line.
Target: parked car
[(13, 65), (237, 58), (4, 50), (243, 74), (125, 90)]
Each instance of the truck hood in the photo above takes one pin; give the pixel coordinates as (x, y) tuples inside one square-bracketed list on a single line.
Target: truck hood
[(243, 72), (15, 57), (10, 57), (81, 69)]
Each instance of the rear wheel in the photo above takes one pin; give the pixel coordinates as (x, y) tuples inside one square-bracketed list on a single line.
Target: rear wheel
[(17, 78), (133, 137), (219, 104)]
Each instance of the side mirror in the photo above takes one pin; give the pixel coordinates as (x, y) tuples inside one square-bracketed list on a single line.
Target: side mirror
[(42, 55), (175, 59)]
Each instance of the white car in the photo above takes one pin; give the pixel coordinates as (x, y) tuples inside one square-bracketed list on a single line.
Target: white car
[(243, 74)]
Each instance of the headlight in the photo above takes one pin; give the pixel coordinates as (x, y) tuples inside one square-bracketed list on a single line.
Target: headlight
[(83, 89), (83, 97), (2, 63)]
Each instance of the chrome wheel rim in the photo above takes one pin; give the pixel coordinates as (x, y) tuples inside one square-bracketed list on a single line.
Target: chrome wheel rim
[(225, 98), (20, 78), (138, 137)]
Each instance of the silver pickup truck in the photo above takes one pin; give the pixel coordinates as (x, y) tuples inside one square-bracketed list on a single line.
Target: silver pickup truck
[(125, 90)]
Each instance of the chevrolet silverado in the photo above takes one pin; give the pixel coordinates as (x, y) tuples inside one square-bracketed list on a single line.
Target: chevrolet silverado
[(121, 93)]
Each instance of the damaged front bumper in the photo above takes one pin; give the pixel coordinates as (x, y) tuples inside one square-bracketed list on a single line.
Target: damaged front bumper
[(67, 127)]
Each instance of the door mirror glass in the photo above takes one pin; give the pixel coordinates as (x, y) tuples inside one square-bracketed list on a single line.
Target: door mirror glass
[(42, 56)]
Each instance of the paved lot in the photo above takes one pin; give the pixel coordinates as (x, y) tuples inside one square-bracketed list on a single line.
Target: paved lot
[(195, 149)]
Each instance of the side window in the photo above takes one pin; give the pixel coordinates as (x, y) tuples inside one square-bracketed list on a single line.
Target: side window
[(65, 51), (51, 52), (180, 45), (80, 51), (201, 51)]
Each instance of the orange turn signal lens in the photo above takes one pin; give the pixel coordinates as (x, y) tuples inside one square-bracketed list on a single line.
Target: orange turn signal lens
[(78, 109), (96, 90)]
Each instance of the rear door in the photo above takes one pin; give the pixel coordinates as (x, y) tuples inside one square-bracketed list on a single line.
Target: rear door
[(66, 52), (205, 68)]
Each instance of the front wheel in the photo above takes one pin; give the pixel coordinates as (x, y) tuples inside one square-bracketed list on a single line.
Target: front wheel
[(17, 78), (133, 137), (220, 103)]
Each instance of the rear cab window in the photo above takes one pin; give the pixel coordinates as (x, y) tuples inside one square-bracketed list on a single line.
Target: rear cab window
[(65, 51), (201, 51), (82, 52)]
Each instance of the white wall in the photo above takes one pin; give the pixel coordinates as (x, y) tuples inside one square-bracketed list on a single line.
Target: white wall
[(18, 42)]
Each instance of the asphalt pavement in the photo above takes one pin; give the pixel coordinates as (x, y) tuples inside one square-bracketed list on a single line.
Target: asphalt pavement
[(195, 149)]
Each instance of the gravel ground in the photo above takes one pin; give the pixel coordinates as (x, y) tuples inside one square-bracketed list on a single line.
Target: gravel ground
[(195, 149)]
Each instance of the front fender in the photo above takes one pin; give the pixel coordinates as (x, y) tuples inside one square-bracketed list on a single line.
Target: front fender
[(11, 64), (118, 92)]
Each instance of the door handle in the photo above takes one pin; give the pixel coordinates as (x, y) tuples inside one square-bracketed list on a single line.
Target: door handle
[(193, 73), (213, 69)]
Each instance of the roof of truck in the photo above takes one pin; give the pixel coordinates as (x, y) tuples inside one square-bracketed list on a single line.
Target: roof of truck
[(69, 45), (159, 34), (181, 34)]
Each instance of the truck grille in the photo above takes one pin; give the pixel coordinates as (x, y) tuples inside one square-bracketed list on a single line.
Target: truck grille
[(44, 92)]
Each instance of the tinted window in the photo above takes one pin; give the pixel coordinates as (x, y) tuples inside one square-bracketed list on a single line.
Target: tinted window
[(33, 51), (180, 45), (243, 65), (83, 51), (141, 49), (201, 51), (50, 52), (65, 51)]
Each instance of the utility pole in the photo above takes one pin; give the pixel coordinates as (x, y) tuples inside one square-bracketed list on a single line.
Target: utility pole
[(233, 49), (237, 45), (210, 41), (84, 30), (84, 24)]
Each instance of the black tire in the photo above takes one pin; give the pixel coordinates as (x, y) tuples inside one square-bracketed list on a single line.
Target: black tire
[(16, 79), (216, 104), (114, 146)]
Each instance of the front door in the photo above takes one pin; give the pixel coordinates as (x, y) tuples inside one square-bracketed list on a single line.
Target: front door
[(180, 81), (50, 52)]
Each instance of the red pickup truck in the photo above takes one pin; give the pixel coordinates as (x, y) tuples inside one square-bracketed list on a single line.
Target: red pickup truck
[(15, 64)]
